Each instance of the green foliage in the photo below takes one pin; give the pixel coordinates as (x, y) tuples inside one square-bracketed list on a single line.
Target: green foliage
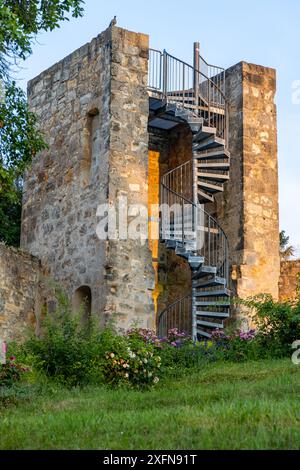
[(76, 352), (21, 20), (11, 372), (10, 216), (278, 323), (129, 360), (20, 140), (68, 348), (286, 250)]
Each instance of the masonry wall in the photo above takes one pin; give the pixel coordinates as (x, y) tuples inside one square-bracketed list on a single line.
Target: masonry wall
[(93, 109), (63, 186), (289, 273), (129, 271), (248, 209), (19, 292)]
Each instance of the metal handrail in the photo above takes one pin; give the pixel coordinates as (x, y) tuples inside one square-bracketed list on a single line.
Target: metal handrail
[(189, 201), (196, 70), (182, 305), (175, 81)]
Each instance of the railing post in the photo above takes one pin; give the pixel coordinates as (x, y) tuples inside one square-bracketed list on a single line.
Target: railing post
[(165, 75), (196, 73), (182, 220)]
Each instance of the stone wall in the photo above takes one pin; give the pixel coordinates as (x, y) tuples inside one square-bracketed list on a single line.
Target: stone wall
[(248, 209), (19, 292), (130, 274), (288, 279), (93, 109)]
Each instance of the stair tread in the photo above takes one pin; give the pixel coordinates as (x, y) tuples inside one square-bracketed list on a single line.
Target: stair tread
[(211, 303), (214, 152), (214, 281), (205, 196), (210, 186), (213, 293), (213, 166), (218, 176), (210, 324), (210, 142), (204, 313), (203, 333)]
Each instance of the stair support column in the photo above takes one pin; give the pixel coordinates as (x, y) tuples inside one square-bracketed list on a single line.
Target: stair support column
[(196, 72)]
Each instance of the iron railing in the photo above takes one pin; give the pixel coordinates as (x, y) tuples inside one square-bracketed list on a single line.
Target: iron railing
[(191, 228), (179, 314), (188, 223), (202, 91)]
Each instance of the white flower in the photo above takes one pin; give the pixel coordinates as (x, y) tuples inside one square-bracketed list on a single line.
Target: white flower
[(145, 361), (155, 380)]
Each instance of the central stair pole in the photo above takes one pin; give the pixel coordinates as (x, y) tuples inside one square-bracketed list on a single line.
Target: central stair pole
[(196, 73), (194, 169)]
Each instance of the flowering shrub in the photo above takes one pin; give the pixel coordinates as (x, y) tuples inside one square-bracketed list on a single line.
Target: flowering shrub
[(131, 359), (11, 372), (176, 338), (144, 334), (237, 345), (219, 335), (277, 322)]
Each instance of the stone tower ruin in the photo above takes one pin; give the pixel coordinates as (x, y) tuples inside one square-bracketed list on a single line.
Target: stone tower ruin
[(128, 123)]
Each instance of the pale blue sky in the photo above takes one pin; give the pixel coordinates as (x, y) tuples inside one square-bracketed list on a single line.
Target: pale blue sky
[(265, 32)]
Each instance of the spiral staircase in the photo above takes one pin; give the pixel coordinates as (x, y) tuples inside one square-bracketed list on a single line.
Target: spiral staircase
[(194, 95)]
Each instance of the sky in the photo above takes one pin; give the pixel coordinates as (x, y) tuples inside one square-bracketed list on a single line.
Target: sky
[(265, 32)]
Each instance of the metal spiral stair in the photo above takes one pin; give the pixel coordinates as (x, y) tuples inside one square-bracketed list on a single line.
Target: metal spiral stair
[(190, 231)]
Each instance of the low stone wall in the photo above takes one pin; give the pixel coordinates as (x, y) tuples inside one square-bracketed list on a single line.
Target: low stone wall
[(19, 284), (288, 279)]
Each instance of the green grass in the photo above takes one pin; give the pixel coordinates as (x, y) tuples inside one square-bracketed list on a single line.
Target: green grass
[(225, 406)]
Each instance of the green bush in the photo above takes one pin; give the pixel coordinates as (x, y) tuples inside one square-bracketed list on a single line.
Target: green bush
[(68, 348), (74, 352), (11, 372), (278, 324), (129, 359)]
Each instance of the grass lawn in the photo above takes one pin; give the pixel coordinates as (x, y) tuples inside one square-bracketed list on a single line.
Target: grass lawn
[(225, 406)]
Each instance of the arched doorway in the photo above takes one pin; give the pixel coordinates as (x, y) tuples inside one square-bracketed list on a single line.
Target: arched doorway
[(82, 301)]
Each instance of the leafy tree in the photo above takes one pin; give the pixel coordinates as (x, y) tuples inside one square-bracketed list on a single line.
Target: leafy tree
[(21, 20), (20, 139), (286, 250)]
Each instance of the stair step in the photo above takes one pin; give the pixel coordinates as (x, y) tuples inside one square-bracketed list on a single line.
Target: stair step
[(213, 176), (204, 133), (204, 197), (212, 188), (195, 261), (170, 243), (213, 293), (204, 271), (209, 143), (209, 303), (203, 333), (213, 166), (216, 153), (210, 324), (203, 313), (213, 281)]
